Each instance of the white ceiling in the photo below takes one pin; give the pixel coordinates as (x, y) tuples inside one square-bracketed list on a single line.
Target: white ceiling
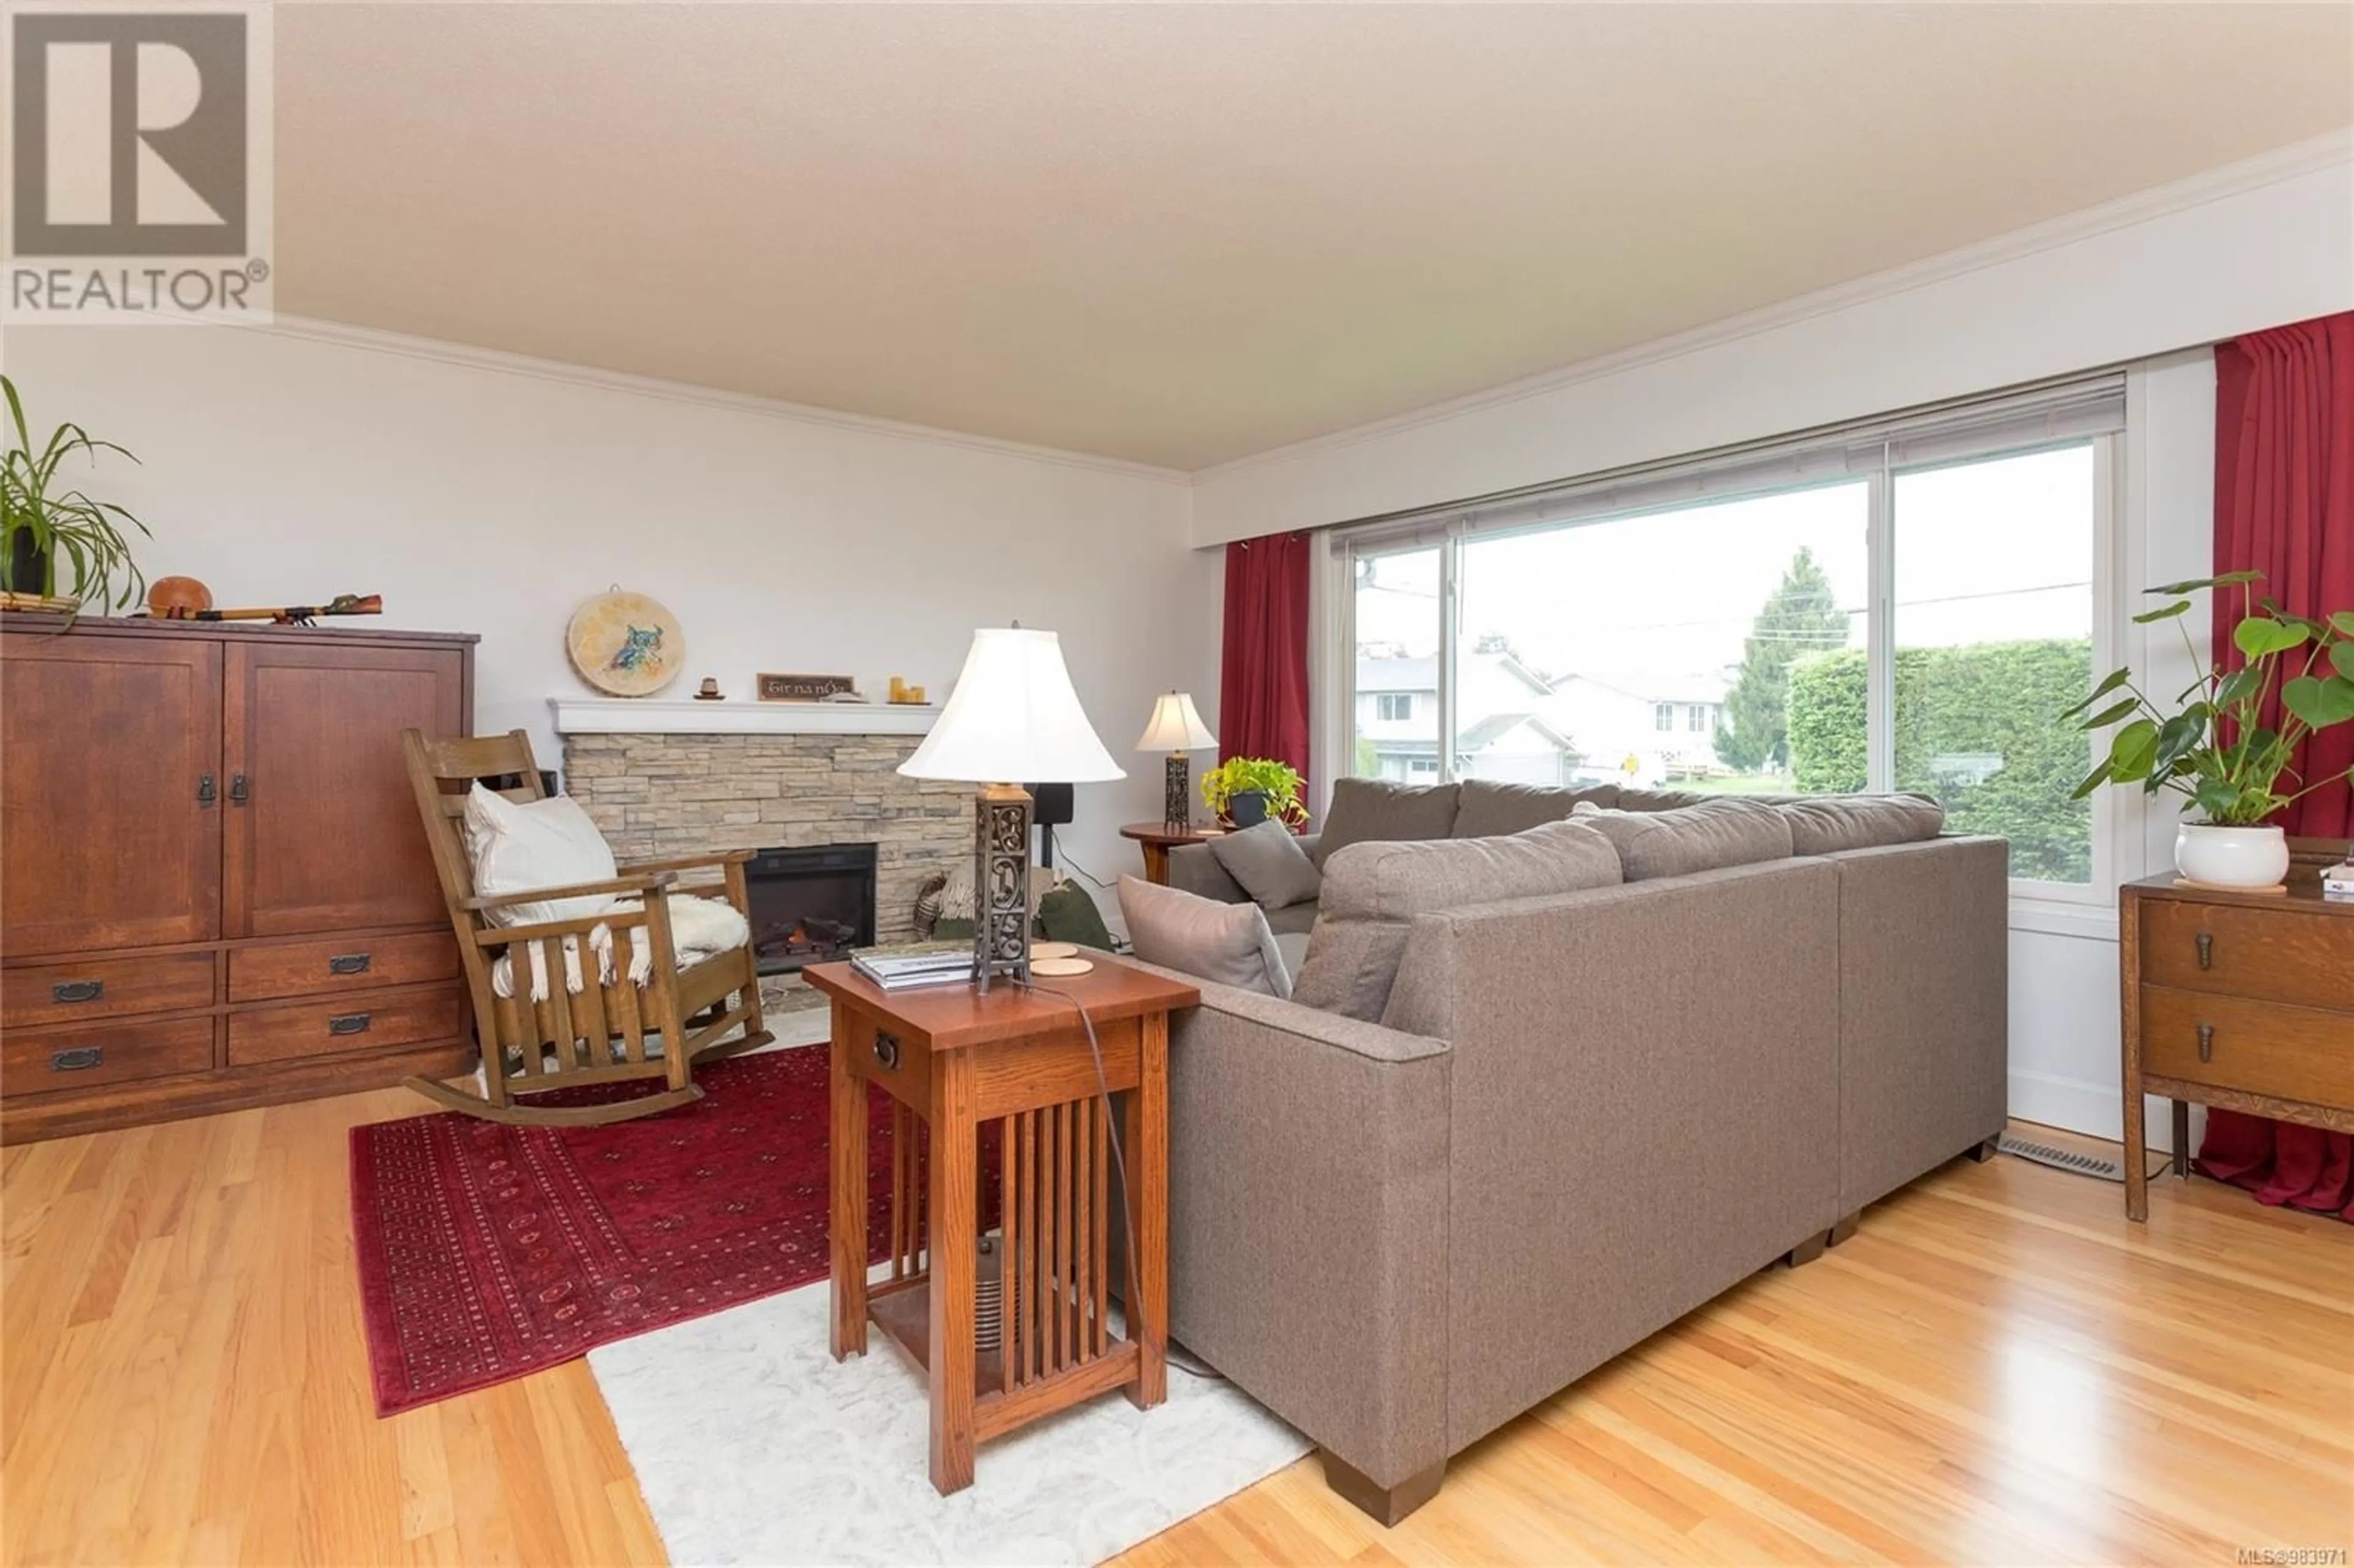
[(1182, 233)]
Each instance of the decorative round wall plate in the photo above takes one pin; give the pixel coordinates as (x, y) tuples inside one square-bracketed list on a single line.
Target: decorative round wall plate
[(626, 644)]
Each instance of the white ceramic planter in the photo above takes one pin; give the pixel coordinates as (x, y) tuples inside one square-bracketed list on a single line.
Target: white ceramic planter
[(2231, 857)]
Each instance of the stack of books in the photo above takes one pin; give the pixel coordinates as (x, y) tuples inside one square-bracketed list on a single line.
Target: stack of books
[(910, 971)]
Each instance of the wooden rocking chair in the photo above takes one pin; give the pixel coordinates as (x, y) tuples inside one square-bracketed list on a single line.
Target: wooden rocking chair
[(597, 1034)]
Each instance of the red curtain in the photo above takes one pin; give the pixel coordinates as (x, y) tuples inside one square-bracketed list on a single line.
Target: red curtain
[(2284, 506), (1263, 682)]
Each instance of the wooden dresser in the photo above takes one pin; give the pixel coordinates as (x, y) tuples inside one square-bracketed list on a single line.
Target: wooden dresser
[(214, 890), (2239, 999)]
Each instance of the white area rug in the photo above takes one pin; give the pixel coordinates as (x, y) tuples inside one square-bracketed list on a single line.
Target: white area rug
[(753, 1445)]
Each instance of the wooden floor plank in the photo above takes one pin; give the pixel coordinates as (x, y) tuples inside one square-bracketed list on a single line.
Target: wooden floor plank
[(1998, 1368)]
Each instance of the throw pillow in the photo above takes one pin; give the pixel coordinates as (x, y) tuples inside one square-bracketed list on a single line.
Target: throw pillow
[(1227, 943), (1373, 811), (1270, 864), (1373, 891), (1490, 810), (520, 846), (1834, 823), (1686, 839), (1068, 915)]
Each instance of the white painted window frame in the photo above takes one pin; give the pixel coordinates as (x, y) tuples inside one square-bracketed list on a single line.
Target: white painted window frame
[(2069, 908)]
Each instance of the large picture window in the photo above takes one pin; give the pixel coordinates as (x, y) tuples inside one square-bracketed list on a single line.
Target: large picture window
[(1901, 607)]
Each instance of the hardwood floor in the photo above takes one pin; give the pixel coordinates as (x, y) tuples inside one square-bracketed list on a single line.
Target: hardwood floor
[(1998, 1368)]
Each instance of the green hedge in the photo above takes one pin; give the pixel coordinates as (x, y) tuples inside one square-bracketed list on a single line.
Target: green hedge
[(1987, 700)]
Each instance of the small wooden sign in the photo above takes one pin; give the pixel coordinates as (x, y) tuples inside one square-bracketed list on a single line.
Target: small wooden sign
[(802, 688)]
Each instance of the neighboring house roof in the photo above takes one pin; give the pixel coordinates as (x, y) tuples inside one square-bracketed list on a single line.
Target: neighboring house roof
[(1708, 689), (1490, 730), (1487, 732), (1376, 673)]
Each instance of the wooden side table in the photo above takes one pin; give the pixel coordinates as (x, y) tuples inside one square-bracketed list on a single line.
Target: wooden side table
[(2239, 999), (1159, 838), (951, 1059)]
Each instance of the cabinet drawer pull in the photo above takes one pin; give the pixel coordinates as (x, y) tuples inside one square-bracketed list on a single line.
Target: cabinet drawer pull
[(76, 1059), (348, 1024), (204, 790), (2206, 1041), (2206, 950), (237, 790), (887, 1051), (77, 991), (348, 964)]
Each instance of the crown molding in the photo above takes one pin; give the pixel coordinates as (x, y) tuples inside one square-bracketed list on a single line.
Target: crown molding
[(2335, 149), (467, 356)]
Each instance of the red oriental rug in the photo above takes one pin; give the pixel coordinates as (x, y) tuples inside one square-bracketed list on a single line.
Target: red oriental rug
[(487, 1252)]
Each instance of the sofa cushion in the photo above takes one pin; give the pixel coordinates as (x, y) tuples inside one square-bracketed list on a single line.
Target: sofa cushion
[(1373, 891), (1227, 943), (1631, 800), (1488, 810), (1830, 823), (1268, 862), (1687, 839), (1374, 810)]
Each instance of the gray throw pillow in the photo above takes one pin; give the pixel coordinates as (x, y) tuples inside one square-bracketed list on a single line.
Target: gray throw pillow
[(1368, 810), (1270, 864), (1488, 810), (1373, 891), (1227, 943), (1686, 839), (1830, 823)]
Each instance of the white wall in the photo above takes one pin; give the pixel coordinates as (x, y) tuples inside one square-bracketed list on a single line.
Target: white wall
[(2142, 284), (481, 493), (2251, 246)]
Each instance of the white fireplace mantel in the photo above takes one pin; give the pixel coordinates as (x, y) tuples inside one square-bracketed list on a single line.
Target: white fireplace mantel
[(643, 715)]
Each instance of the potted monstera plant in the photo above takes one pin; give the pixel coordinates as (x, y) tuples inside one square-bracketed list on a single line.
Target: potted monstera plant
[(2225, 742), (46, 523), (1246, 790)]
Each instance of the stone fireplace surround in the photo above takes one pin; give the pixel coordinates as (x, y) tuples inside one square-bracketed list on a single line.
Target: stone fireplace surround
[(665, 778)]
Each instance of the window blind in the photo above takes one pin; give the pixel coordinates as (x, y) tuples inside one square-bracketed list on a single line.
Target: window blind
[(2050, 415)]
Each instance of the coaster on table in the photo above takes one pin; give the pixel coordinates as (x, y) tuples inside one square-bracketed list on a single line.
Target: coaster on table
[(2279, 887), (1053, 949), (1055, 969)]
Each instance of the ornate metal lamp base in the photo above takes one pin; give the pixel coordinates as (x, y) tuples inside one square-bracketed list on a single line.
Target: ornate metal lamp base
[(1000, 885), (1177, 792)]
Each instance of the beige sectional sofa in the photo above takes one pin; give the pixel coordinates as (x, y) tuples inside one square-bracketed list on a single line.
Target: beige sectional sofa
[(1579, 1116)]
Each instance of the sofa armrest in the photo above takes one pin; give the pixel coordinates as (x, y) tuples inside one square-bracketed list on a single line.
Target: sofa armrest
[(1196, 870), (1308, 1220)]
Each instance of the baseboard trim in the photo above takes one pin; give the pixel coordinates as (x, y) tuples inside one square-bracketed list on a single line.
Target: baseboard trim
[(2094, 1110)]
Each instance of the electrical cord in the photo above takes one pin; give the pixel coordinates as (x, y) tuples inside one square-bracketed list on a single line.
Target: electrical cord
[(1119, 1165), (1063, 857), (1120, 944)]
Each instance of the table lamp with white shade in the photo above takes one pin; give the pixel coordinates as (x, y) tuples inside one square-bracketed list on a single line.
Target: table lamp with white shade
[(1011, 716), (1176, 729)]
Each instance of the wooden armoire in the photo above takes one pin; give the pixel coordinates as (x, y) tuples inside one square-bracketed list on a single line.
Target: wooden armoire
[(214, 889)]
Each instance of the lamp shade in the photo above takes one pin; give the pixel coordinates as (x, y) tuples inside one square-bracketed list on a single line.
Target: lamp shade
[(1012, 717), (1176, 725)]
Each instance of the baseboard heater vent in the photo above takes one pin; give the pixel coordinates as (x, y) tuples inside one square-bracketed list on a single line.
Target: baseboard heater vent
[(2068, 1160)]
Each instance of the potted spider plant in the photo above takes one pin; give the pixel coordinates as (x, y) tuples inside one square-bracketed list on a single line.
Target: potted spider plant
[(1243, 791), (45, 522), (2212, 743)]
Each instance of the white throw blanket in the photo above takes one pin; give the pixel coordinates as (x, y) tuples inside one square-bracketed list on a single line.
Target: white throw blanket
[(699, 928)]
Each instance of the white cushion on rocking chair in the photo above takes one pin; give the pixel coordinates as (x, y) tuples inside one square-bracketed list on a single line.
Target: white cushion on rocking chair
[(520, 845)]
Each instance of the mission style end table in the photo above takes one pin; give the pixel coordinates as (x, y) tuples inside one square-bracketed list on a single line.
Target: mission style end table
[(952, 1060), (2243, 1000), (1157, 839)]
